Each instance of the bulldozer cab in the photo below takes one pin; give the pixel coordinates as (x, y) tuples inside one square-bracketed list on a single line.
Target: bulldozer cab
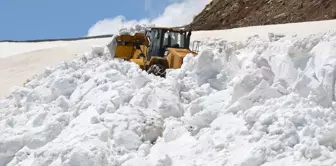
[(156, 50), (163, 38)]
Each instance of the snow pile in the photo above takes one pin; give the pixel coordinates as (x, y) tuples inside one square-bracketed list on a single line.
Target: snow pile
[(254, 103), (73, 109)]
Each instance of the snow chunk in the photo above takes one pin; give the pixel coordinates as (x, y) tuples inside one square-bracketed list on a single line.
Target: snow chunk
[(128, 140), (165, 102)]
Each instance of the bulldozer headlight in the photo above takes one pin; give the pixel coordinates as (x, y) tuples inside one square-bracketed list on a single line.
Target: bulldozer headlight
[(166, 53)]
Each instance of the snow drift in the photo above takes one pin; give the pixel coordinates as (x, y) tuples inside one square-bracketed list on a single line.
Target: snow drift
[(254, 103)]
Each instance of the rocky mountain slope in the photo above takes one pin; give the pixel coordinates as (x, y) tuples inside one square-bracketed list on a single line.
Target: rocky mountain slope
[(225, 14)]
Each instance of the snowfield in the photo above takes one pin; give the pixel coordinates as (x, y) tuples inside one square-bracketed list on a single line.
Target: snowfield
[(261, 102)]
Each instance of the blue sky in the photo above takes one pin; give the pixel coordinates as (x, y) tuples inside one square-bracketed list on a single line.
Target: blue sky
[(38, 19)]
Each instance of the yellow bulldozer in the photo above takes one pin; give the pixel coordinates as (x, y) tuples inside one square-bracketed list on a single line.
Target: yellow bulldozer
[(156, 50)]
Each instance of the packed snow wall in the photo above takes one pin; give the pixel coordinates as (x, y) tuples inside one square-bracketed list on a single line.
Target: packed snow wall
[(256, 103)]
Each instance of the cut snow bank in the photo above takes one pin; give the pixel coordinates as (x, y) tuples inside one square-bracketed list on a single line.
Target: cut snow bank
[(253, 103), (300, 29)]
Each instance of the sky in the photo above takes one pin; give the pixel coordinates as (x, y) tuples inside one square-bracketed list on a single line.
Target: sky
[(42, 19)]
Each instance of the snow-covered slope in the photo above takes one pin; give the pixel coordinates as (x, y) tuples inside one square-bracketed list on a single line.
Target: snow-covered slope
[(21, 61), (252, 103), (14, 48)]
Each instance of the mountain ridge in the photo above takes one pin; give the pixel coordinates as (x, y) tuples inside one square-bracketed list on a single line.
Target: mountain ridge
[(227, 14)]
